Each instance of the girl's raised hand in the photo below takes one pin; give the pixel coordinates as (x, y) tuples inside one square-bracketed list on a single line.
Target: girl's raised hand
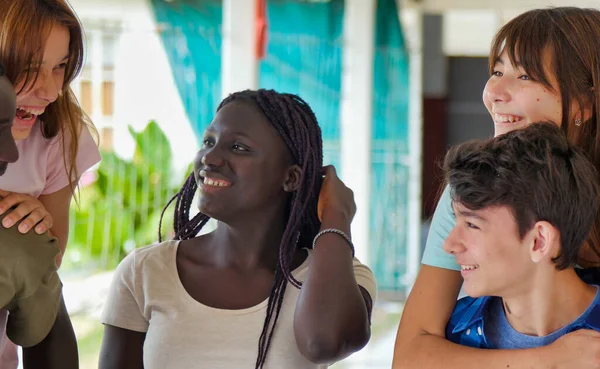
[(26, 208)]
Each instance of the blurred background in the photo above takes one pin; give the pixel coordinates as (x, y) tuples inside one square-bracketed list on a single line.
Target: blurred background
[(393, 84)]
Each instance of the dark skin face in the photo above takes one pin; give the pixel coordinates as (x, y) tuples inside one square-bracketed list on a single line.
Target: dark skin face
[(245, 154), (246, 176)]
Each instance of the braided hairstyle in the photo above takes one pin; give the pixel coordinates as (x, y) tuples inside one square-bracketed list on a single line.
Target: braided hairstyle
[(297, 125)]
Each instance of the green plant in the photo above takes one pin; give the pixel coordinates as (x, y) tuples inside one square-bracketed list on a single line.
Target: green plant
[(121, 209)]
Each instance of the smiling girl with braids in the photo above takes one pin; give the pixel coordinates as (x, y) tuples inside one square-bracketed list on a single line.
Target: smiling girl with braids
[(276, 284)]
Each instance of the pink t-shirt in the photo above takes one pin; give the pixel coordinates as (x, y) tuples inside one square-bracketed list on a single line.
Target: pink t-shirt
[(40, 169)]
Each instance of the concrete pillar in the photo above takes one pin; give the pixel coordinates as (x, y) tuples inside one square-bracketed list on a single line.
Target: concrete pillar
[(413, 27), (239, 67), (357, 114)]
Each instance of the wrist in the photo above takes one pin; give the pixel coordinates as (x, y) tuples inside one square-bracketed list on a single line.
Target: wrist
[(546, 355), (336, 219), (337, 233)]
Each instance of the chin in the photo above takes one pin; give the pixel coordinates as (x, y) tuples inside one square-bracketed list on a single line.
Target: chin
[(206, 210), (212, 209), (473, 291), (502, 128), (21, 134)]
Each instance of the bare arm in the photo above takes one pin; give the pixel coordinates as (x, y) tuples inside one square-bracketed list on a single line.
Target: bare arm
[(421, 342), (332, 313), (58, 350), (121, 349), (58, 204)]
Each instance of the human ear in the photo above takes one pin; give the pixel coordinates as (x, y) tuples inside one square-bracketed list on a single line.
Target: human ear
[(293, 178)]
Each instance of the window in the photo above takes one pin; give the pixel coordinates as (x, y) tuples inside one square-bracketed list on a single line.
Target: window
[(95, 87)]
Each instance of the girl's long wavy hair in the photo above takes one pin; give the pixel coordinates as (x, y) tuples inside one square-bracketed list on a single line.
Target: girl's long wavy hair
[(24, 29)]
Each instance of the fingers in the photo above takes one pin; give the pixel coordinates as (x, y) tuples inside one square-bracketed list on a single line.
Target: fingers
[(29, 210), (9, 199), (39, 218), (23, 209), (329, 170), (45, 225), (31, 216)]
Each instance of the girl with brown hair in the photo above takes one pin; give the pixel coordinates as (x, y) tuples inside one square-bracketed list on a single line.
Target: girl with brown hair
[(41, 47)]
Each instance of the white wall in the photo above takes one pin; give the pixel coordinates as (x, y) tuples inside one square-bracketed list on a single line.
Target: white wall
[(470, 25), (144, 86), (522, 5)]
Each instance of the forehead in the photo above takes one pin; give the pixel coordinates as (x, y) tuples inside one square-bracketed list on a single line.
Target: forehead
[(245, 118), (494, 213), (57, 43), (526, 50), (514, 55)]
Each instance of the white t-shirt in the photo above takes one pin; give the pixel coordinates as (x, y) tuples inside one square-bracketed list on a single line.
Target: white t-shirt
[(147, 295)]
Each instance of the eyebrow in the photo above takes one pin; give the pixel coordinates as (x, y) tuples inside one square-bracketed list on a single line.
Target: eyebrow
[(468, 213), (499, 60), (61, 60), (236, 133)]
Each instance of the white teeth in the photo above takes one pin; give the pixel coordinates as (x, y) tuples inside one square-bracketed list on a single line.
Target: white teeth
[(469, 267), (33, 111), (507, 118), (216, 183)]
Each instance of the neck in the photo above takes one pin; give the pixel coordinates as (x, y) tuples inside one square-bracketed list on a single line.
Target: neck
[(552, 300), (252, 242)]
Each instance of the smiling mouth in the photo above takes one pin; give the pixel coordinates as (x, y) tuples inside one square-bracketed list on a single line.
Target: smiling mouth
[(212, 182), (469, 267), (507, 118), (28, 113), (215, 182)]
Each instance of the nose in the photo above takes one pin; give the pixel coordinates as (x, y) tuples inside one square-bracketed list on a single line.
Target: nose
[(452, 244), (212, 157), (497, 89), (47, 87)]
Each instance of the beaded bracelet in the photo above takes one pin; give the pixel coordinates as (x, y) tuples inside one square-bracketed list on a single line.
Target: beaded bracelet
[(336, 231)]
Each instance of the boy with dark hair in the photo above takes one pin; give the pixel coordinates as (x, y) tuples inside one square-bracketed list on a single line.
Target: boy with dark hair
[(525, 203)]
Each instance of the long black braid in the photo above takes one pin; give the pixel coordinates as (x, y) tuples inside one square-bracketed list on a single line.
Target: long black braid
[(296, 123)]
